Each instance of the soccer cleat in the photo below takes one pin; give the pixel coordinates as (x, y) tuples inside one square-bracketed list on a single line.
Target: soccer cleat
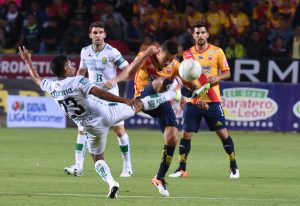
[(161, 186), (113, 190), (126, 172), (202, 90), (74, 170), (234, 174), (179, 173)]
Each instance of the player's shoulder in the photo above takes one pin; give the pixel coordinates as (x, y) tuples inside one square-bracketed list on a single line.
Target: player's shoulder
[(214, 47), (86, 50)]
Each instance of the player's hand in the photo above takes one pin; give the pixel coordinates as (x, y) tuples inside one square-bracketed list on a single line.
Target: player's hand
[(109, 84), (182, 103), (202, 105), (24, 54), (136, 104), (213, 79), (151, 50)]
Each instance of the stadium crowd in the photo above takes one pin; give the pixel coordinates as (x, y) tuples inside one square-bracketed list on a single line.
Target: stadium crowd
[(248, 28)]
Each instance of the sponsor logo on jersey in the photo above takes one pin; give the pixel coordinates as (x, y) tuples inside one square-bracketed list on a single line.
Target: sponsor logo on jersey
[(104, 60), (200, 57)]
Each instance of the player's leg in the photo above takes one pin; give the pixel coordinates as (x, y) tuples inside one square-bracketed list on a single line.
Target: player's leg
[(191, 122), (215, 119), (124, 144), (80, 148), (229, 149), (96, 145)]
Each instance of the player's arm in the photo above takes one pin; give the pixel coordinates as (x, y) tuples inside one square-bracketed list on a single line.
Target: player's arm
[(82, 66), (81, 71), (224, 75), (102, 94), (26, 57), (139, 60)]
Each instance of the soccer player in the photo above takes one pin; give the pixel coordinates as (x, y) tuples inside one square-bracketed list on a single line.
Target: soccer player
[(154, 71), (215, 68), (101, 61), (74, 94)]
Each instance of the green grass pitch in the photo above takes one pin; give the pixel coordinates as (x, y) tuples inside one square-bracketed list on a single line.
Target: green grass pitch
[(32, 162)]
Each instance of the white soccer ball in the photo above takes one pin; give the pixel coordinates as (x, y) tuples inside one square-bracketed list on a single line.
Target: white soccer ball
[(190, 69)]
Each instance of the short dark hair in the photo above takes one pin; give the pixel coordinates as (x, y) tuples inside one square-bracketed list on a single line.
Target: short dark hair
[(96, 24), (198, 25), (170, 46), (58, 65)]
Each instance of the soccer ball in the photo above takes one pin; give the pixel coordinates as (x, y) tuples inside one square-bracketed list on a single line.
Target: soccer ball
[(189, 69)]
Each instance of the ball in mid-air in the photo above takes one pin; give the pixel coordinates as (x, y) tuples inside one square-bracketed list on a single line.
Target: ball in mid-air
[(189, 69)]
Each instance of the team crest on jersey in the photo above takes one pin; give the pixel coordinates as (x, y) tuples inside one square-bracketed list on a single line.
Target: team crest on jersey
[(209, 57), (104, 60), (168, 70), (200, 57)]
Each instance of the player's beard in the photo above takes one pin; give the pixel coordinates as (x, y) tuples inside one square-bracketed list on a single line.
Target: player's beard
[(201, 42)]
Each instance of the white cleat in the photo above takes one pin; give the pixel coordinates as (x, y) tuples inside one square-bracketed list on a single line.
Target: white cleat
[(179, 173), (236, 175), (161, 186), (74, 170), (126, 172), (113, 190), (202, 90)]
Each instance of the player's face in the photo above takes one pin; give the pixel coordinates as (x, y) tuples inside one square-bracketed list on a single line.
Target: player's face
[(97, 35), (164, 58), (70, 70), (200, 36)]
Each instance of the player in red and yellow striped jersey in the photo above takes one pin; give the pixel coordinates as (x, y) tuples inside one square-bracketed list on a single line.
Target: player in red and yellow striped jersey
[(155, 70), (214, 68)]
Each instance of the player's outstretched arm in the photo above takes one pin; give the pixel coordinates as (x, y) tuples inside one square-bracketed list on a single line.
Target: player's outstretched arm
[(102, 94), (26, 57)]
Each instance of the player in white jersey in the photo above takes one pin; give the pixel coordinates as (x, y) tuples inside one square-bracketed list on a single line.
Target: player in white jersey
[(101, 61), (74, 95)]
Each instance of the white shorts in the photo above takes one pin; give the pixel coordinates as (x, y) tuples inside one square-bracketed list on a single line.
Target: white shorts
[(98, 128)]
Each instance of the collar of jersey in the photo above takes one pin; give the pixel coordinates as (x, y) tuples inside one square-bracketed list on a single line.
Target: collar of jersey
[(97, 53)]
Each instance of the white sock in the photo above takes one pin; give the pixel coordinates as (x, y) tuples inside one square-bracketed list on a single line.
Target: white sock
[(80, 149), (153, 101), (104, 172), (125, 149)]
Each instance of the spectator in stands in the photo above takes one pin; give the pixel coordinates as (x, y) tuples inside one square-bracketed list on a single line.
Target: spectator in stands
[(60, 10), (216, 20), (294, 44), (135, 34), (150, 18), (238, 22), (260, 11), (284, 31), (234, 49), (31, 34), (36, 10), (191, 15), (274, 18), (50, 37), (113, 30), (13, 26), (296, 19), (277, 48), (169, 26), (75, 36), (81, 8), (119, 20), (256, 47)]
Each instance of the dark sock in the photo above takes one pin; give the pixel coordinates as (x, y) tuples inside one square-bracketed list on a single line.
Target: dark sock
[(229, 148), (184, 150), (168, 152)]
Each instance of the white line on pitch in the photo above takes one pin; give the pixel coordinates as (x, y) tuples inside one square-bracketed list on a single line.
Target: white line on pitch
[(146, 197)]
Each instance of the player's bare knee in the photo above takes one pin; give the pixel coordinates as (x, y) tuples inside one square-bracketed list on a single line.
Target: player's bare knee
[(157, 84), (97, 157), (222, 133), (119, 130), (186, 135)]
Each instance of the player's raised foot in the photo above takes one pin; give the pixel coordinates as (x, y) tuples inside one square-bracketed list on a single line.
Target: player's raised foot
[(179, 173), (74, 170), (202, 90), (113, 190), (234, 174), (126, 172), (161, 186)]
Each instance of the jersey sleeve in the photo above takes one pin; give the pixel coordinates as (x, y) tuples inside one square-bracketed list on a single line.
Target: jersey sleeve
[(85, 85), (222, 63), (118, 59), (82, 64), (46, 85)]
